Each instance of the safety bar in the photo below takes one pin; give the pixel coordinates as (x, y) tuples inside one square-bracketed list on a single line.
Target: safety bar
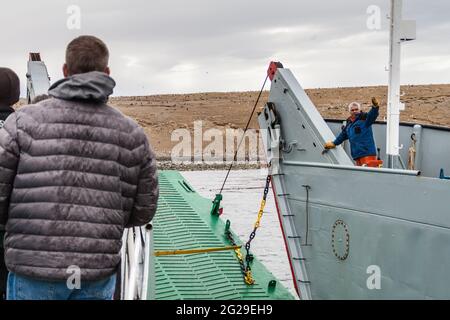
[(137, 265)]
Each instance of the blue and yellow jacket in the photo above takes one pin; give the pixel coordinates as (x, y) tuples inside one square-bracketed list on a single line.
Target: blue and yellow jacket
[(359, 133)]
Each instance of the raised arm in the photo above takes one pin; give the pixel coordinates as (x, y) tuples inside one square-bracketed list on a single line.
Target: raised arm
[(372, 115)]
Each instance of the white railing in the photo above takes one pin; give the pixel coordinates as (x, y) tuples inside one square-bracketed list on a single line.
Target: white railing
[(137, 265)]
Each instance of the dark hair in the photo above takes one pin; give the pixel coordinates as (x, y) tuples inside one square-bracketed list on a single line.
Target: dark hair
[(86, 54), (9, 87)]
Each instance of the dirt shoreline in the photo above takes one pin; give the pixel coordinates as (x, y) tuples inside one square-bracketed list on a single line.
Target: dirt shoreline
[(160, 115)]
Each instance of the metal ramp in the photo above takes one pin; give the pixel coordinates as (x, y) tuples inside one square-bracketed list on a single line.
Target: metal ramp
[(38, 80), (183, 221), (294, 130)]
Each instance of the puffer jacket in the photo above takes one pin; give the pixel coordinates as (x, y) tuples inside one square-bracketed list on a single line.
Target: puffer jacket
[(74, 173)]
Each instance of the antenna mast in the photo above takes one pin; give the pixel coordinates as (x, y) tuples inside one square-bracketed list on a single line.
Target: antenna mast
[(400, 31)]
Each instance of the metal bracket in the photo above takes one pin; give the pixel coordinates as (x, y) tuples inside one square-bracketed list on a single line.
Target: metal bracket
[(288, 147), (303, 281), (442, 175), (299, 259), (307, 187)]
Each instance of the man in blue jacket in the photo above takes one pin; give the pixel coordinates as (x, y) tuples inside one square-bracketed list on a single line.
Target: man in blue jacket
[(359, 132)]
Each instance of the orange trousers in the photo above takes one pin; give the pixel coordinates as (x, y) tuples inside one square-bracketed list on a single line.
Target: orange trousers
[(369, 161)]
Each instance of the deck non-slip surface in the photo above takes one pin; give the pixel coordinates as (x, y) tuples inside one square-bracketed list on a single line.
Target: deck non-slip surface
[(183, 221)]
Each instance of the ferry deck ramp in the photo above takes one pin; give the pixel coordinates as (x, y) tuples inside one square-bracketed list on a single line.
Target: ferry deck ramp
[(183, 221)]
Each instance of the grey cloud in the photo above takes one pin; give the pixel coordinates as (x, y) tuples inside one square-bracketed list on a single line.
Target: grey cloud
[(203, 45)]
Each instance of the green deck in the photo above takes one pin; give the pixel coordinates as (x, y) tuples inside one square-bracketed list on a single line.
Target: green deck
[(183, 221)]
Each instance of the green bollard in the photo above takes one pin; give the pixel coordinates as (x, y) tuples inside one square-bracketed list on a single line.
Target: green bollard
[(227, 226), (272, 285), (216, 205)]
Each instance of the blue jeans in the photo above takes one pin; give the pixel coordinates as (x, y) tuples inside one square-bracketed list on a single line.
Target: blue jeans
[(24, 288)]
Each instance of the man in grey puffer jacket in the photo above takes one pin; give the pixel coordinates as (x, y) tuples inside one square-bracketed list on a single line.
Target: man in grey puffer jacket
[(9, 95), (74, 173)]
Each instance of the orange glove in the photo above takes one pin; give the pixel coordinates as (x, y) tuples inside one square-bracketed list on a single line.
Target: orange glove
[(375, 102), (329, 145)]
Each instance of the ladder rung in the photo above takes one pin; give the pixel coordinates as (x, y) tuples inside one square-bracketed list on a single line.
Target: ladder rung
[(302, 281)]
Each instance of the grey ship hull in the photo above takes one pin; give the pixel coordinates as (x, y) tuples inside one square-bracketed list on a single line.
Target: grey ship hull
[(356, 232)]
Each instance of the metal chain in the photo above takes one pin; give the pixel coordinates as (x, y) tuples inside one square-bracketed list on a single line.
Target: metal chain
[(248, 256), (245, 267), (238, 255)]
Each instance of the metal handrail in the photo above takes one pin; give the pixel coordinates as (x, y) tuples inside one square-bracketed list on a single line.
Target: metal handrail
[(352, 168), (137, 272)]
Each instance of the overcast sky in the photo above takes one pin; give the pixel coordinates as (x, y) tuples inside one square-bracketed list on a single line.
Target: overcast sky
[(180, 46)]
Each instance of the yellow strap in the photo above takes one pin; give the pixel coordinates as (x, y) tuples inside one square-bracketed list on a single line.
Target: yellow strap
[(193, 251)]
